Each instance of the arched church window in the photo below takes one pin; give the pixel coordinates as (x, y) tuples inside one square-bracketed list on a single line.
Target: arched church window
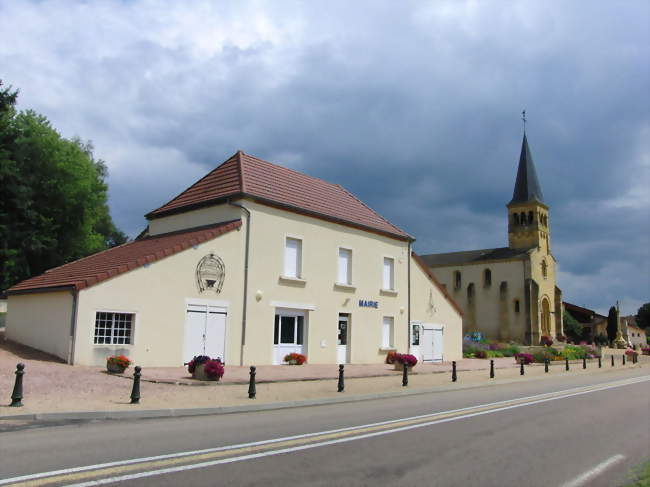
[(503, 287), (522, 217), (530, 217), (457, 280), (487, 278), (516, 218), (470, 291), (516, 306)]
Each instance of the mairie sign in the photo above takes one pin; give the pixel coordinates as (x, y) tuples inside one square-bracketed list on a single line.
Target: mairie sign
[(364, 303)]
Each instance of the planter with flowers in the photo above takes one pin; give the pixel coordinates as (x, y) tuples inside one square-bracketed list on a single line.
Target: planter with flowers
[(203, 367), (117, 364), (295, 359), (405, 358)]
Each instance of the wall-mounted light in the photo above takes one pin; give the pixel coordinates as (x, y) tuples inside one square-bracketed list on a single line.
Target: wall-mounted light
[(258, 295)]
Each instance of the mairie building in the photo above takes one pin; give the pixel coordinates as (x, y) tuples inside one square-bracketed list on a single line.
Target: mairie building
[(250, 263), (509, 293)]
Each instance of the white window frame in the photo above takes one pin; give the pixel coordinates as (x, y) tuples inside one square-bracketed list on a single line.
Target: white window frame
[(134, 318), (390, 336), (348, 280), (391, 278), (299, 268)]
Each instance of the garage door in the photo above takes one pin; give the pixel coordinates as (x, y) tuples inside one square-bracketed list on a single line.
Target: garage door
[(205, 332), (432, 344)]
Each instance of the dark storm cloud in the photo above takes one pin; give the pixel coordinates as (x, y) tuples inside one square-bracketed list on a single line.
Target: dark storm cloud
[(415, 109)]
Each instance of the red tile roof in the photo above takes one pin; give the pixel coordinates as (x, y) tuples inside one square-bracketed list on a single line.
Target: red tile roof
[(243, 175), (98, 267), (422, 265)]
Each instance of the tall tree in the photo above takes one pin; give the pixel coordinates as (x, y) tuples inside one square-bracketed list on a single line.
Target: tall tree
[(643, 316), (612, 324), (53, 206)]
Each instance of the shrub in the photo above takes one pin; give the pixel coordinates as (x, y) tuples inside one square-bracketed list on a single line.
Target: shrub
[(510, 351), (481, 354), (406, 358), (390, 358), (197, 360), (561, 338), (214, 369), (545, 340), (526, 357), (121, 360), (494, 354), (573, 352), (600, 340), (295, 358), (549, 353)]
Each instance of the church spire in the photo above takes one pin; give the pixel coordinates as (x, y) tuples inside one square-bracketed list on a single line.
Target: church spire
[(527, 188)]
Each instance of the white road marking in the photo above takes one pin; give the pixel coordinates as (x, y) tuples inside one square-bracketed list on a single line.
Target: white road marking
[(535, 399), (594, 472)]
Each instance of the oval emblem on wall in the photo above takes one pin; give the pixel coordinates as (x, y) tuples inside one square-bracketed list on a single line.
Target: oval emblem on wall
[(210, 273)]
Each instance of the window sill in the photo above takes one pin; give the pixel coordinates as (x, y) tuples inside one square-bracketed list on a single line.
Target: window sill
[(388, 349), (295, 281), (344, 287), (388, 292)]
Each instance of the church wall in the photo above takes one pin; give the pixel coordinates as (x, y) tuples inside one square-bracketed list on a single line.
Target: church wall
[(492, 309), (547, 288)]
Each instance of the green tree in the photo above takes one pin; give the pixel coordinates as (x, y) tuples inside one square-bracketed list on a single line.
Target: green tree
[(53, 204), (612, 324), (572, 328), (643, 316)]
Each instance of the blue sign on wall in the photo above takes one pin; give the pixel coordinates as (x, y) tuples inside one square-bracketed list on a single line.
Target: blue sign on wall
[(364, 303)]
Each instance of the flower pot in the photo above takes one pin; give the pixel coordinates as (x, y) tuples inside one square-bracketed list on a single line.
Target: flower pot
[(401, 366), (199, 373), (114, 368)]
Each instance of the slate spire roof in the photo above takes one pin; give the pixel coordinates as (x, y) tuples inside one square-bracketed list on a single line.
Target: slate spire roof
[(245, 176), (527, 186)]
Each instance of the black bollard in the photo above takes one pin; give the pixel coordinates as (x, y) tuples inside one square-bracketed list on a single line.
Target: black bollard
[(341, 386), (521, 368), (405, 375), (453, 372), (623, 359), (546, 365), (600, 363), (584, 362), (17, 394), (566, 364), (612, 361), (251, 383), (135, 392), (491, 369)]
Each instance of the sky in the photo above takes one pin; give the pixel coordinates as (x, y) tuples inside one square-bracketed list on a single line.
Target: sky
[(415, 107)]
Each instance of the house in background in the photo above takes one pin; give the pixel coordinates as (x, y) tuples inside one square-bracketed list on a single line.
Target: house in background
[(250, 263), (593, 324), (509, 293), (632, 333)]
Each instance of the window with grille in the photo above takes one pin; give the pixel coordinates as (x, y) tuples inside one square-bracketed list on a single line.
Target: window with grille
[(113, 328)]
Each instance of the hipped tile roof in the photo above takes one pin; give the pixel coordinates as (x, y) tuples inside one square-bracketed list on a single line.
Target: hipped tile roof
[(101, 266), (243, 175)]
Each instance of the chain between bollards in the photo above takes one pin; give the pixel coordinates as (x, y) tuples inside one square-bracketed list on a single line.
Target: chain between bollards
[(454, 377), (546, 365), (584, 362), (521, 368), (17, 394), (341, 384), (252, 391), (135, 392), (566, 364), (491, 369), (405, 375)]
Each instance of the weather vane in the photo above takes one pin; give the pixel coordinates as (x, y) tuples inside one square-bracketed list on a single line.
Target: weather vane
[(523, 118)]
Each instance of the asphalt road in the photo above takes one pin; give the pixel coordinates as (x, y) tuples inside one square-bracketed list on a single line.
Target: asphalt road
[(525, 434)]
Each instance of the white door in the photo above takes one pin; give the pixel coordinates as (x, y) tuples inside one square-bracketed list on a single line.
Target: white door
[(289, 334), (343, 334), (431, 344), (437, 345), (205, 332)]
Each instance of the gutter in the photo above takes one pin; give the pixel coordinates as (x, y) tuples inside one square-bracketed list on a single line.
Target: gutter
[(408, 293), (73, 326), (245, 300)]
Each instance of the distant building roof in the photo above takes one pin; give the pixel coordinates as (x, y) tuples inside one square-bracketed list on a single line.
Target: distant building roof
[(472, 256), (527, 186), (243, 175), (583, 315), (101, 266)]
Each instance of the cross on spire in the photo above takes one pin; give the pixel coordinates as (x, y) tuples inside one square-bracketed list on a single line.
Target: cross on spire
[(523, 118)]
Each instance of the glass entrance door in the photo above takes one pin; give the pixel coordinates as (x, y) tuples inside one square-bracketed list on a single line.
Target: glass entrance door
[(288, 334), (342, 351)]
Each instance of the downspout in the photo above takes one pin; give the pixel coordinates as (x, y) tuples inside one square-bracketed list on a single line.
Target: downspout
[(408, 307), (73, 326), (245, 303)]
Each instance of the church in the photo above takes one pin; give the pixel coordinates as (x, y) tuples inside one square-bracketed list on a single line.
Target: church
[(509, 293)]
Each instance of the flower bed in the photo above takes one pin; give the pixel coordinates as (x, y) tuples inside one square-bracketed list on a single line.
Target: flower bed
[(295, 359), (526, 357)]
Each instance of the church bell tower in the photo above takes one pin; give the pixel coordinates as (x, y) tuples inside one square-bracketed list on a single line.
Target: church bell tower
[(528, 216)]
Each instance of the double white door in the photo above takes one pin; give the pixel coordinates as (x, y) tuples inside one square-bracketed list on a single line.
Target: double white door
[(205, 332), (431, 344)]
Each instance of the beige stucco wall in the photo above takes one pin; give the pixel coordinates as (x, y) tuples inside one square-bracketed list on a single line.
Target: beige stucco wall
[(41, 321), (498, 321), (546, 285), (429, 306), (157, 294), (196, 218)]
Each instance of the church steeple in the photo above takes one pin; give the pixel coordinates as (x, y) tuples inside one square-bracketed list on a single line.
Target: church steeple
[(528, 215)]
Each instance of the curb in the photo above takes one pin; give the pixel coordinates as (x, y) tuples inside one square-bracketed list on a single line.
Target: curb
[(188, 412)]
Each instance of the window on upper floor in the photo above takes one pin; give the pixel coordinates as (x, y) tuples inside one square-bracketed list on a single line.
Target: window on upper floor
[(388, 277), (516, 306), (487, 278), (344, 275), (293, 258), (457, 280)]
